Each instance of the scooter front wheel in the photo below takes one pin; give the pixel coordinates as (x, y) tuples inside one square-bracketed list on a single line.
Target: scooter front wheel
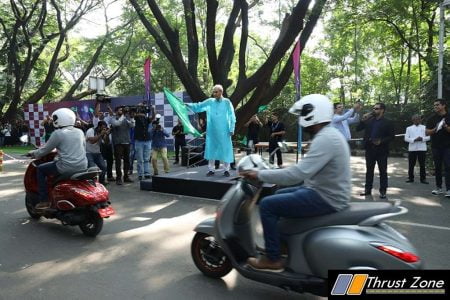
[(92, 225), (29, 205), (208, 257)]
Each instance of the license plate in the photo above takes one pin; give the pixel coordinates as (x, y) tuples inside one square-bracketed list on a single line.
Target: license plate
[(106, 212)]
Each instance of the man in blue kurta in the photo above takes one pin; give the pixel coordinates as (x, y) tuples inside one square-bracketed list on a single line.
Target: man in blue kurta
[(220, 120)]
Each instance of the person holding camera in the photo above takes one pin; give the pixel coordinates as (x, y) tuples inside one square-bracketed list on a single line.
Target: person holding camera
[(159, 147), (378, 133), (105, 148), (94, 138), (253, 126), (341, 120), (180, 140), (120, 129), (142, 140)]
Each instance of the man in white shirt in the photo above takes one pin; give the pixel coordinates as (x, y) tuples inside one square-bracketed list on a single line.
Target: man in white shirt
[(417, 149), (341, 120)]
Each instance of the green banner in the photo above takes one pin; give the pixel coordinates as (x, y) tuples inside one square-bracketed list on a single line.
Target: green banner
[(182, 112), (262, 108)]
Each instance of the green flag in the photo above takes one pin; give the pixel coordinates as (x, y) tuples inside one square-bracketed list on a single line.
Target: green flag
[(262, 108), (182, 111)]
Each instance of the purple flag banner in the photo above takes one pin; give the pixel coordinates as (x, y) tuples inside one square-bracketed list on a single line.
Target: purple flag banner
[(147, 76), (296, 64)]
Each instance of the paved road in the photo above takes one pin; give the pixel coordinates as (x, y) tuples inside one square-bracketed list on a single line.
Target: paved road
[(143, 252)]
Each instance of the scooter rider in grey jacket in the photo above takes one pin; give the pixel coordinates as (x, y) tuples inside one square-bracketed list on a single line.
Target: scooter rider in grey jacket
[(325, 171), (71, 146)]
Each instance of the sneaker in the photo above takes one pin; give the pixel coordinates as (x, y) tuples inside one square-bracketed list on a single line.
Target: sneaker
[(127, 179), (175, 163), (410, 180), (210, 173), (111, 179), (382, 195), (447, 194), (226, 174), (366, 193), (262, 263), (424, 182), (140, 178), (147, 176), (42, 205), (437, 191), (119, 181)]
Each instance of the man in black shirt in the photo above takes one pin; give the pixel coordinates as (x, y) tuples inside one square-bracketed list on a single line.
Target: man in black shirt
[(180, 140), (277, 131), (438, 127), (142, 140), (378, 133), (253, 125)]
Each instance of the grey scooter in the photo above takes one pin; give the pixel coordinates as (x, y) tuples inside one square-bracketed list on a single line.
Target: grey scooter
[(353, 239)]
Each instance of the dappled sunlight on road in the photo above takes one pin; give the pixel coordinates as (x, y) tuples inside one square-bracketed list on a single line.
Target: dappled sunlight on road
[(9, 192), (423, 201)]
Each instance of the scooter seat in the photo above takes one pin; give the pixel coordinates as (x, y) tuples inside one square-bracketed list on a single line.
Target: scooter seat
[(354, 214), (90, 173)]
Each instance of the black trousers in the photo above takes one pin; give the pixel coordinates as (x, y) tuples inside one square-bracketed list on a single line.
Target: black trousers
[(178, 145), (107, 153), (122, 152), (375, 155), (441, 156), (413, 156), (272, 147)]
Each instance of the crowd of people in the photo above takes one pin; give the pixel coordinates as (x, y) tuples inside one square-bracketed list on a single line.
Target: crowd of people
[(10, 133), (320, 182)]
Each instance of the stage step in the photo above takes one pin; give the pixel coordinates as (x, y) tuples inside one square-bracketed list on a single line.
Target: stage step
[(194, 182)]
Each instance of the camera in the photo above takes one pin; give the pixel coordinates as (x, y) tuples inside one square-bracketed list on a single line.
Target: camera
[(102, 98), (143, 109)]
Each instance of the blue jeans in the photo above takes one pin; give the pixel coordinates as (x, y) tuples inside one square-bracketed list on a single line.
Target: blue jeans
[(142, 151), (293, 202), (43, 171), (132, 156), (96, 159)]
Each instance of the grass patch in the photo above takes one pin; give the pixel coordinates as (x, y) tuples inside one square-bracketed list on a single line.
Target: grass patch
[(17, 150)]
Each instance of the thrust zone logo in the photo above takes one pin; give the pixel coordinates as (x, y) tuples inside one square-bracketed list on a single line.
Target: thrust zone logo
[(354, 284)]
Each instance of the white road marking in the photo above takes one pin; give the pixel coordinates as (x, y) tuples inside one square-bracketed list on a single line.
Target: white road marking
[(419, 225)]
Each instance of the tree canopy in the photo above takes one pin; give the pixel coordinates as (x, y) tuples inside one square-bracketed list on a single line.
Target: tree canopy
[(375, 50)]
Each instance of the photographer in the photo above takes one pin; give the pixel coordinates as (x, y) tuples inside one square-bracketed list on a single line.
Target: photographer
[(142, 140), (105, 148), (94, 138), (120, 129), (158, 136)]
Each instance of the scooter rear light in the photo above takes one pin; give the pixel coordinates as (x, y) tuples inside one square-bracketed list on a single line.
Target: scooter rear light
[(400, 254)]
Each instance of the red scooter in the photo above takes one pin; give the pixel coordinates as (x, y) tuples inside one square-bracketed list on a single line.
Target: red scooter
[(77, 199)]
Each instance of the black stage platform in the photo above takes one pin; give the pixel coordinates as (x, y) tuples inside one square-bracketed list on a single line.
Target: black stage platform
[(194, 182)]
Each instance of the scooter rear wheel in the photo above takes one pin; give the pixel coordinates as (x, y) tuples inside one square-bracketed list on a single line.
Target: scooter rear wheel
[(92, 225), (29, 205), (208, 257)]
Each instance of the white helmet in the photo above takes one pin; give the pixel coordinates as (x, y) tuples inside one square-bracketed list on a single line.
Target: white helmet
[(313, 109), (63, 117), (158, 116)]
